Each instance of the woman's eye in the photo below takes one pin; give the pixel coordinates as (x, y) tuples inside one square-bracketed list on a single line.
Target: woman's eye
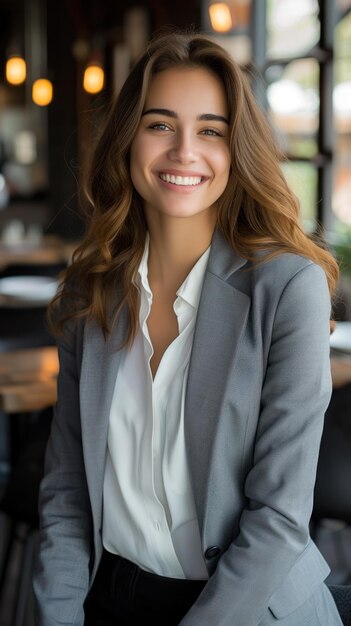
[(159, 126), (211, 132)]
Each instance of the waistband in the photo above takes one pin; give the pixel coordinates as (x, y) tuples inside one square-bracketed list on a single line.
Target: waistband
[(125, 573)]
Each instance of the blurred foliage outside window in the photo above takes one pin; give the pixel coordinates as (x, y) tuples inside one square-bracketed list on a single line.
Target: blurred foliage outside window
[(302, 178)]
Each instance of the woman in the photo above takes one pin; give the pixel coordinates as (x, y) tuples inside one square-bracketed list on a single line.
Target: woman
[(194, 369)]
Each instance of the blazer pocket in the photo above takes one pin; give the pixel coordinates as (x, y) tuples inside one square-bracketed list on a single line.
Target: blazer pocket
[(309, 571)]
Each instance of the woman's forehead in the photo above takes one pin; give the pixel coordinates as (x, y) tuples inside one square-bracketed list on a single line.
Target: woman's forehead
[(187, 88)]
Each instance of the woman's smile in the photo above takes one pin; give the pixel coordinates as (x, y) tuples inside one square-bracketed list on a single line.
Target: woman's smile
[(190, 180), (185, 182)]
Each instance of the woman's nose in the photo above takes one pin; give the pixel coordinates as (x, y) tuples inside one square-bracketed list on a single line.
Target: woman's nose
[(183, 148)]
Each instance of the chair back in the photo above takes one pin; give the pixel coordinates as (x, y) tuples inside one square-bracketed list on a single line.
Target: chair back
[(24, 328), (332, 494), (342, 597)]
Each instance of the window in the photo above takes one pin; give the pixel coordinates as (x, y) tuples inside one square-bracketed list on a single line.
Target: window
[(307, 95)]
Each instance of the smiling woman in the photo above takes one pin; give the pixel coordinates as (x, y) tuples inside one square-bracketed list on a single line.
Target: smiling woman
[(193, 329)]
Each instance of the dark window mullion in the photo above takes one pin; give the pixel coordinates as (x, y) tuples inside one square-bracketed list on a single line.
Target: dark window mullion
[(259, 47), (325, 127)]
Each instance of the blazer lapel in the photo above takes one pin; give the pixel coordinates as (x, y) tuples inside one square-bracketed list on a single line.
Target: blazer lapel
[(98, 376), (221, 319)]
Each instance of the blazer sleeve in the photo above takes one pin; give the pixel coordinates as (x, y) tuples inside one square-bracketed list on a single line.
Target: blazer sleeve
[(274, 526), (62, 571)]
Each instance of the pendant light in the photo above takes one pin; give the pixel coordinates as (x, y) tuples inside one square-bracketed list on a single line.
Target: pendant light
[(94, 78), (16, 70), (42, 92), (220, 16)]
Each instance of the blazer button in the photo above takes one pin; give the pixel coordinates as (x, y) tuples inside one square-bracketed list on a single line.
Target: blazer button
[(212, 552)]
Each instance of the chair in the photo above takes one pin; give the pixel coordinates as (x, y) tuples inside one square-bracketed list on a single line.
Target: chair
[(342, 597), (332, 494), (20, 506), (24, 328), (20, 328), (33, 269)]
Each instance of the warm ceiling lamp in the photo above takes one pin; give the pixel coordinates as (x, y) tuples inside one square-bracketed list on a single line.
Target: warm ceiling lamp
[(16, 70), (42, 92), (94, 77), (220, 16)]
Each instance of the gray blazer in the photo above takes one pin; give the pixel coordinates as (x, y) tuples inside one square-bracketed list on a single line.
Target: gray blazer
[(258, 386)]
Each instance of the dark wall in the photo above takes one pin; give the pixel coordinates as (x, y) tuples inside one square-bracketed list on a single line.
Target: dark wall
[(62, 124)]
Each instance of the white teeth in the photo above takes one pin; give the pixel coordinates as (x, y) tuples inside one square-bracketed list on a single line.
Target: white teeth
[(181, 180)]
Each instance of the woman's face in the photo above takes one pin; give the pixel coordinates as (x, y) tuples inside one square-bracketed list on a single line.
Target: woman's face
[(180, 157)]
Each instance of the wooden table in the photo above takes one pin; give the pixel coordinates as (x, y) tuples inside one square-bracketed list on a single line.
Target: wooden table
[(50, 250), (28, 379), (341, 370)]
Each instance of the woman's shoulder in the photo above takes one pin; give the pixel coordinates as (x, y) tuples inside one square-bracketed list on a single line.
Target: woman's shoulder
[(284, 267), (289, 276), (268, 278), (275, 268)]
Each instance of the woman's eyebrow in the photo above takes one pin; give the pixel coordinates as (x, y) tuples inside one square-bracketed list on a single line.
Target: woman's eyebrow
[(207, 117)]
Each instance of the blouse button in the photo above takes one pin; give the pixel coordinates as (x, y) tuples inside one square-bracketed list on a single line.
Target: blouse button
[(212, 552)]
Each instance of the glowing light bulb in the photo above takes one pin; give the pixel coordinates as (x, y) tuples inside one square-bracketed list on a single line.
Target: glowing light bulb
[(93, 80), (16, 70), (220, 16), (42, 92)]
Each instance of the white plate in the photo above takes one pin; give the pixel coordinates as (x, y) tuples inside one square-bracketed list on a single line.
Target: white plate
[(27, 290), (341, 337)]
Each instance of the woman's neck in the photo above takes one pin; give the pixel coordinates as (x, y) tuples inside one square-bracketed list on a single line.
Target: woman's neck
[(176, 244)]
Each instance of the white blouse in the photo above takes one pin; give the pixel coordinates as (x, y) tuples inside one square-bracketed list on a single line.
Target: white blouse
[(149, 514)]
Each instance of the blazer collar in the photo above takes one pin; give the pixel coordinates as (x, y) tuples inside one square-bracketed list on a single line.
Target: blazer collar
[(223, 261)]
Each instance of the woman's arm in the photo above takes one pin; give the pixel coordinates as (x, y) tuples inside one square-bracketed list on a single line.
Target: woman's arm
[(62, 573), (279, 488)]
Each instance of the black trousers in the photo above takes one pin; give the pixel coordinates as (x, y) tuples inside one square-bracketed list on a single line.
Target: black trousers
[(125, 595)]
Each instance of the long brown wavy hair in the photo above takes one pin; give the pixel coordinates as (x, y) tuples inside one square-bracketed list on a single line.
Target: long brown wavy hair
[(257, 211)]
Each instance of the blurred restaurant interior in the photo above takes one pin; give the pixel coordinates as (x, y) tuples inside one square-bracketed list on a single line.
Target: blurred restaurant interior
[(61, 64)]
